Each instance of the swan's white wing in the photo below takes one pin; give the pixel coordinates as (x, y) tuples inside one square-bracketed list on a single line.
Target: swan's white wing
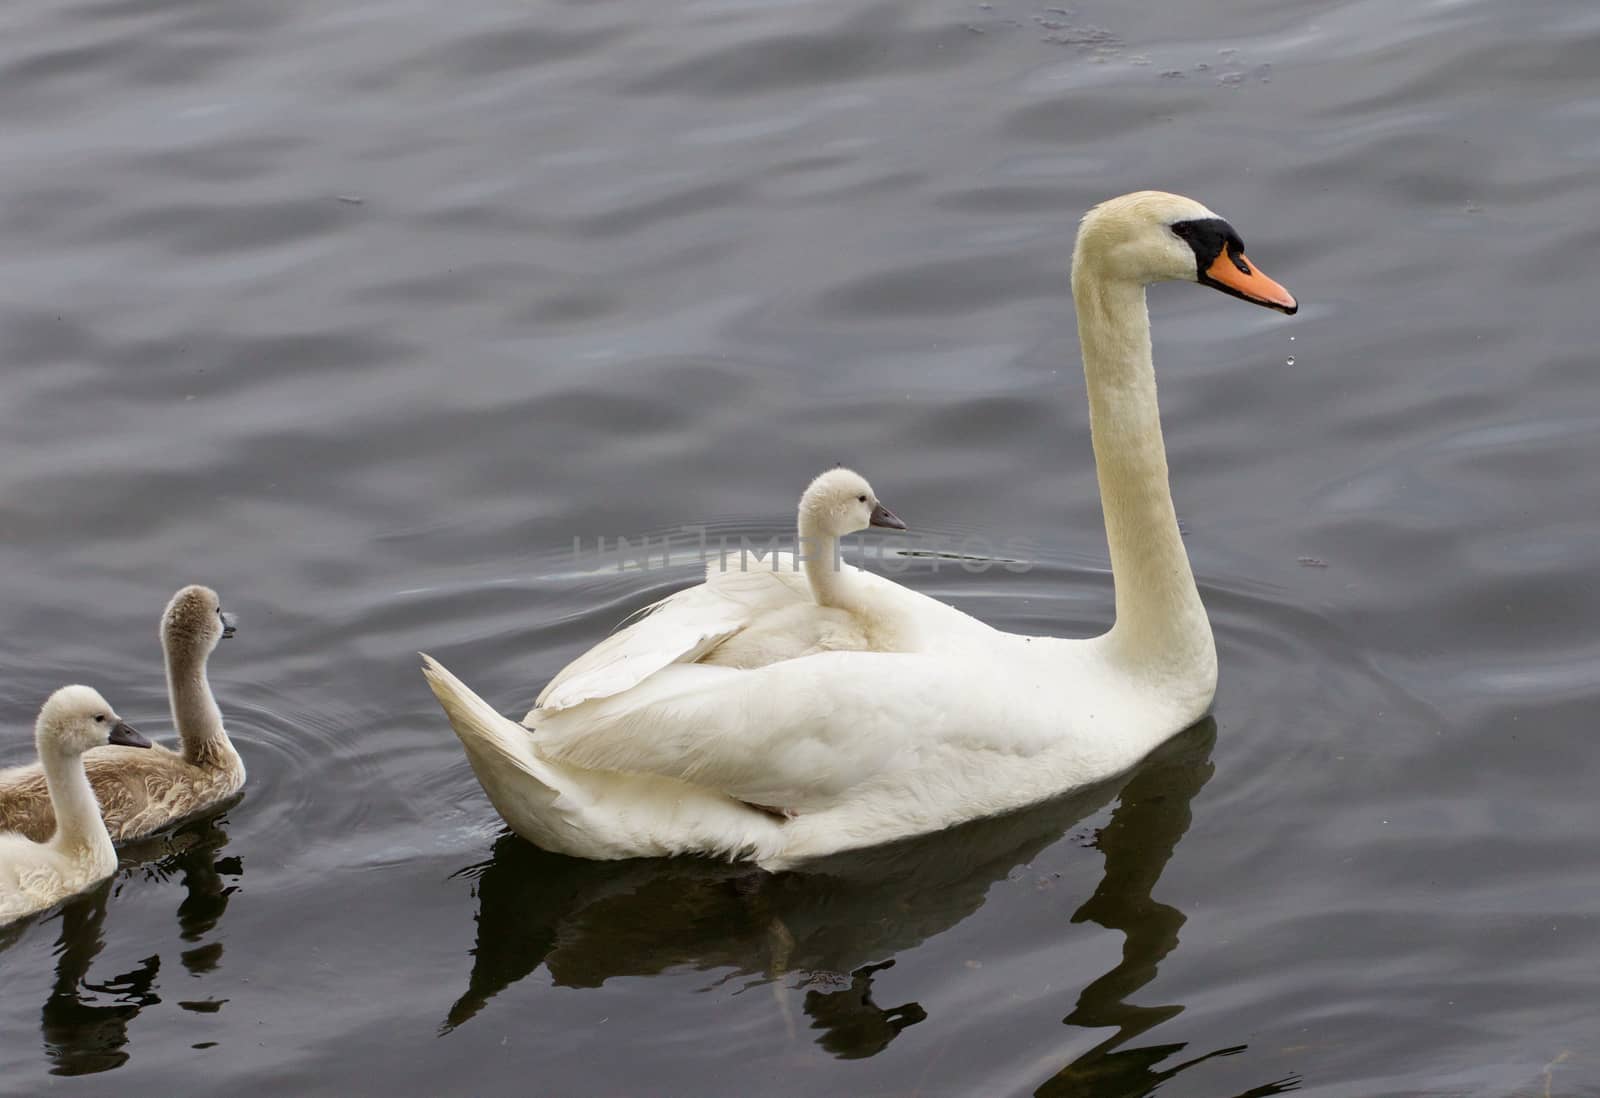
[(792, 735), (680, 628)]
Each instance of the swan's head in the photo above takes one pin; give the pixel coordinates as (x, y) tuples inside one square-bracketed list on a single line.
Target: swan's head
[(77, 718), (840, 502), (194, 622), (1152, 236)]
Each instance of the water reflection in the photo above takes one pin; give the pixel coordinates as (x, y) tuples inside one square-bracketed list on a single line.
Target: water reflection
[(84, 1021), (1152, 815), (838, 920), (589, 921), (853, 1026), (84, 1025)]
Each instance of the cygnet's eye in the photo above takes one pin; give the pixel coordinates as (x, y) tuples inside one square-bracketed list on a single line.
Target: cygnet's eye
[(99, 718), (861, 499)]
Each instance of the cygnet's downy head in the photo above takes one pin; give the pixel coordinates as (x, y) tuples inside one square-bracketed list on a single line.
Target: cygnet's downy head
[(76, 718), (194, 622), (1153, 236), (840, 502)]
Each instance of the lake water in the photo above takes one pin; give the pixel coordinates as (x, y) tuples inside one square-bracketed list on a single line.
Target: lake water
[(362, 313)]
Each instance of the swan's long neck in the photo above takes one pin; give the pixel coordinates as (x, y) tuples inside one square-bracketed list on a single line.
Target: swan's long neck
[(1161, 624), (831, 584), (194, 708), (78, 824)]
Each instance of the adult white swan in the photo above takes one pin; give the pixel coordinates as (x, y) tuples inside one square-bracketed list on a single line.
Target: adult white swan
[(961, 720)]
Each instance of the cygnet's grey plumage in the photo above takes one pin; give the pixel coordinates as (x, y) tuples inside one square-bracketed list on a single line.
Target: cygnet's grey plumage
[(144, 791)]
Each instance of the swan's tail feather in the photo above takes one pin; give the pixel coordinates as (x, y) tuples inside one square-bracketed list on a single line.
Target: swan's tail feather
[(480, 727), (524, 789), (589, 813)]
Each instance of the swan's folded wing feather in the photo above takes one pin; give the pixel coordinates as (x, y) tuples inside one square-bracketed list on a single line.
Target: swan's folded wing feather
[(793, 735), (680, 628)]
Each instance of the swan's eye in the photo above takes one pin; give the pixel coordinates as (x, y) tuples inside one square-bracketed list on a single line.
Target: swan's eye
[(861, 499), (100, 718)]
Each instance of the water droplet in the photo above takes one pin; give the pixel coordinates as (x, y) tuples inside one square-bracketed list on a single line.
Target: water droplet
[(1291, 339), (1289, 361)]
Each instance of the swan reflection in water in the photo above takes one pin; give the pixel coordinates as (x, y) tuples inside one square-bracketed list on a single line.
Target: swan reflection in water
[(839, 922), (84, 1021)]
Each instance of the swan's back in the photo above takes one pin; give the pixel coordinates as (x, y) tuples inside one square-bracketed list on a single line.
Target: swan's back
[(33, 875), (684, 627), (748, 616), (140, 791), (25, 803)]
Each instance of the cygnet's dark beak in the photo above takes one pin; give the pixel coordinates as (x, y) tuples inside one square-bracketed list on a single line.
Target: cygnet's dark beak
[(122, 734), (229, 625), (882, 516)]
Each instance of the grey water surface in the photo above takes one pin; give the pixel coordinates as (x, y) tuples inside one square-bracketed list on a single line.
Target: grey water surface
[(362, 313)]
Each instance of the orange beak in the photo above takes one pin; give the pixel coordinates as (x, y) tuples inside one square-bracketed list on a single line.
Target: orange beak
[(1236, 275)]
